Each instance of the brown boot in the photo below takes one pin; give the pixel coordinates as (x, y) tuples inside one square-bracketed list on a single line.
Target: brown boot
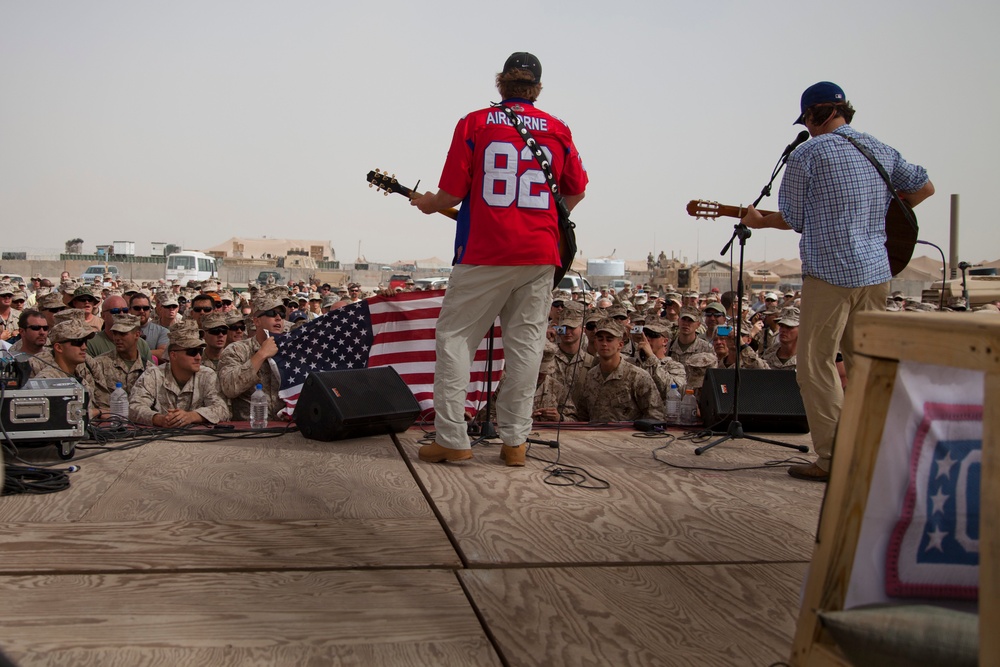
[(809, 471), (514, 456), (435, 453)]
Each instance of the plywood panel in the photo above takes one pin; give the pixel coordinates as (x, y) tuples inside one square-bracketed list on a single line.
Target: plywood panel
[(650, 513), (650, 615), (225, 545), (236, 619)]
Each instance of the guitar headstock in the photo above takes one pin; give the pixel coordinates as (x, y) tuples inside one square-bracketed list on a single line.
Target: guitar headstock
[(701, 208), (386, 183)]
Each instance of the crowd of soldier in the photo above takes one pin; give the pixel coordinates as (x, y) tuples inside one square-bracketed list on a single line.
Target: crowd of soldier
[(195, 354)]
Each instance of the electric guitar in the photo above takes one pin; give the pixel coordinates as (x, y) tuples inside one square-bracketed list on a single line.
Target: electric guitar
[(387, 183), (900, 232)]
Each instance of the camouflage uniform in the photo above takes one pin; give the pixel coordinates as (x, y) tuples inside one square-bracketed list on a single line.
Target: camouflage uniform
[(102, 344), (567, 379), (663, 371), (238, 381), (157, 392), (102, 372), (626, 394), (678, 353), (771, 359)]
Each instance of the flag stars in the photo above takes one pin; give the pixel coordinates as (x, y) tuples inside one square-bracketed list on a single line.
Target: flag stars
[(936, 540), (938, 500), (944, 466)]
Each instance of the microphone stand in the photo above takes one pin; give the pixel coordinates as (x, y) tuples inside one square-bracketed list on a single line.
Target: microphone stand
[(486, 429), (742, 232)]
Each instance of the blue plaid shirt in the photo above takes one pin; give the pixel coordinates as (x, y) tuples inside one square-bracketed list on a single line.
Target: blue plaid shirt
[(833, 196)]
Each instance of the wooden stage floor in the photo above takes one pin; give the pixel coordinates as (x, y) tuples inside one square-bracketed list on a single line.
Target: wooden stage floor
[(286, 551)]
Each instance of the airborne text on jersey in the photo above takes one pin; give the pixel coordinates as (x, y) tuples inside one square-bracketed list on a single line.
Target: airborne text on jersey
[(533, 124)]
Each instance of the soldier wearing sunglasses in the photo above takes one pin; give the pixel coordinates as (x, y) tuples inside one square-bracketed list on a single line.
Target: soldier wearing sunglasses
[(182, 391), (245, 364), (34, 333), (103, 342)]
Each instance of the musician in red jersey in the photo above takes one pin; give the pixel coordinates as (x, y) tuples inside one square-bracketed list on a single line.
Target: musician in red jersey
[(506, 248)]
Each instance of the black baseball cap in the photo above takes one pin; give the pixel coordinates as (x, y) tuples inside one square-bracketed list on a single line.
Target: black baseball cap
[(526, 61)]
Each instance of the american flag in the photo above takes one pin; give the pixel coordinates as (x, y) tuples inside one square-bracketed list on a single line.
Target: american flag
[(395, 331)]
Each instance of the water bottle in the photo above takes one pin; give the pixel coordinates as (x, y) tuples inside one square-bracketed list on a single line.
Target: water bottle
[(258, 409), (673, 404), (689, 408), (119, 402)]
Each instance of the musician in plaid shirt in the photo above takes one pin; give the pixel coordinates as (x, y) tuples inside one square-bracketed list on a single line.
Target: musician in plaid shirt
[(833, 196)]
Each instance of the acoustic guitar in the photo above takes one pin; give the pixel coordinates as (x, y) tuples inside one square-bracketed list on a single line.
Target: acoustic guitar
[(567, 240), (900, 227)]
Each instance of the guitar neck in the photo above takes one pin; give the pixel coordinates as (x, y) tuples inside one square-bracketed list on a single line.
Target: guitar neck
[(387, 184), (710, 209)]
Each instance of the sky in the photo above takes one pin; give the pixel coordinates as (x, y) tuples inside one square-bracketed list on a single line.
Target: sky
[(192, 122)]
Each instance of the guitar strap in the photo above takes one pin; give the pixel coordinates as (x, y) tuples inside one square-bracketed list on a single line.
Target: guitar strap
[(885, 177), (565, 224)]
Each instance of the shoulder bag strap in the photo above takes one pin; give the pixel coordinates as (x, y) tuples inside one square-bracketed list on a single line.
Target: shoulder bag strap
[(885, 177), (536, 150)]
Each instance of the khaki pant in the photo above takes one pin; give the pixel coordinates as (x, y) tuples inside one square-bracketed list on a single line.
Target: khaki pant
[(826, 326), (476, 294)]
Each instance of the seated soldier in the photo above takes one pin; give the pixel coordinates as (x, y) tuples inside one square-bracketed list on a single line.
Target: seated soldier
[(66, 354), (687, 343), (246, 364), (179, 392), (615, 390), (123, 364), (34, 328), (571, 360), (215, 332), (236, 325), (782, 355), (652, 356)]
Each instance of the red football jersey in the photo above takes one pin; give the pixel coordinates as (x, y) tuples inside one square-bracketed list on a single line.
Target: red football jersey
[(508, 216)]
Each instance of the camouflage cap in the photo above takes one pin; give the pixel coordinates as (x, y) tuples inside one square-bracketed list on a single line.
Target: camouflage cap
[(166, 299), (329, 300), (50, 301), (183, 335), (233, 317), (130, 287), (656, 325), (71, 314), (789, 317), (18, 295), (315, 296), (227, 295), (351, 286), (83, 292), (213, 320), (594, 316), (691, 313), (571, 315), (697, 366), (611, 326), (617, 311), (262, 304), (72, 329), (125, 323), (6, 289), (68, 287)]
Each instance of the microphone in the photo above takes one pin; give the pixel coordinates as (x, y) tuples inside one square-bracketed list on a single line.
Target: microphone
[(799, 140)]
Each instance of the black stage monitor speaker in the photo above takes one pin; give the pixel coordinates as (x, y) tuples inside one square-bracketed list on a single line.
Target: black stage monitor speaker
[(336, 405), (770, 401)]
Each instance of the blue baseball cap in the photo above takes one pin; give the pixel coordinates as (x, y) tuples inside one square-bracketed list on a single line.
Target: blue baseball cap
[(819, 93)]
